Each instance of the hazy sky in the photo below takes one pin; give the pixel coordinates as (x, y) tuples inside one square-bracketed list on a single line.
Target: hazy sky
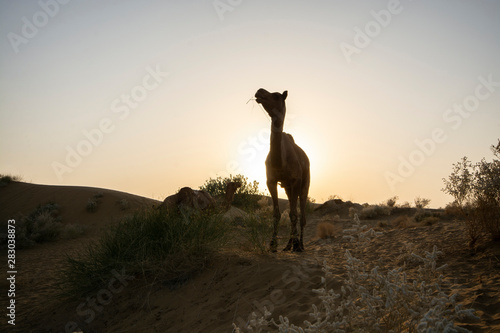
[(150, 96)]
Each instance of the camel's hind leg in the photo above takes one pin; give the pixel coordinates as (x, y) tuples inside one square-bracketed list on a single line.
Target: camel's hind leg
[(293, 242), (303, 205)]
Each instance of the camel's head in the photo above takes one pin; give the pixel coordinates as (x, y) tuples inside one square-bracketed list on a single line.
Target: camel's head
[(274, 104), (233, 186)]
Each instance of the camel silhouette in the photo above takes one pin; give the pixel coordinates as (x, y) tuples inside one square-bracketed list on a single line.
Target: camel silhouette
[(188, 199), (288, 165)]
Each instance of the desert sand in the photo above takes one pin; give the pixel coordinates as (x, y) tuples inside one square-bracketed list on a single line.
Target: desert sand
[(237, 282)]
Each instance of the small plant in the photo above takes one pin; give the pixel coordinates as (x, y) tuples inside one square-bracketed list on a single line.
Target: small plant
[(326, 230), (402, 222), (421, 203), (420, 215), (405, 205), (72, 231), (123, 204), (334, 197), (91, 205), (7, 179), (430, 220), (391, 202)]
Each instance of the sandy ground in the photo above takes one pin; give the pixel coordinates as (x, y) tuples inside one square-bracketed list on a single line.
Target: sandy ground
[(236, 282)]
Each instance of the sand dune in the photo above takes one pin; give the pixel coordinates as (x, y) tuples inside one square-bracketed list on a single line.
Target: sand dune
[(236, 283)]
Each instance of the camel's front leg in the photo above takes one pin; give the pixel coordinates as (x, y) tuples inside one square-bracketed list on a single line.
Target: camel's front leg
[(293, 242), (273, 190)]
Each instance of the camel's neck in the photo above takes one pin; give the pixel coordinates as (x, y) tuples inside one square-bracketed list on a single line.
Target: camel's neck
[(275, 149), (229, 196)]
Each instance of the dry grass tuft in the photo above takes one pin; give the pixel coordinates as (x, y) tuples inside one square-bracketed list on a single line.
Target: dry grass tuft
[(402, 222), (327, 230)]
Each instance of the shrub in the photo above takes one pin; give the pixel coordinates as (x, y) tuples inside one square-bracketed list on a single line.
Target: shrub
[(391, 202), (326, 230), (7, 179), (247, 196), (421, 215), (430, 220), (453, 210), (405, 205), (476, 190), (421, 203), (374, 211), (334, 197), (45, 228), (123, 204), (403, 221), (158, 242), (41, 225), (91, 205), (72, 231)]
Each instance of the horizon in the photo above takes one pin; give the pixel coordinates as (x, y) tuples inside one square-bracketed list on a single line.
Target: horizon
[(149, 97)]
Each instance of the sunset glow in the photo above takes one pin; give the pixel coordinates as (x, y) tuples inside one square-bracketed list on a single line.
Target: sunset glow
[(150, 96)]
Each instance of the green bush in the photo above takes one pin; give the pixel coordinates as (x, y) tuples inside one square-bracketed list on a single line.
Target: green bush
[(246, 197), (155, 242), (476, 190)]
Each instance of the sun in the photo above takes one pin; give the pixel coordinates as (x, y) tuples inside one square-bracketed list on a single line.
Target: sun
[(251, 159)]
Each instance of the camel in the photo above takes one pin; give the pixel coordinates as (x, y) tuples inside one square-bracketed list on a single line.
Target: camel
[(288, 165), (188, 200)]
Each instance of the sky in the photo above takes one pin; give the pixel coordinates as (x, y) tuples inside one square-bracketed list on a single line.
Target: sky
[(150, 96)]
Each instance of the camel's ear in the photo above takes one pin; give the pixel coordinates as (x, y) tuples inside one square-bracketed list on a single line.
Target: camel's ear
[(284, 94)]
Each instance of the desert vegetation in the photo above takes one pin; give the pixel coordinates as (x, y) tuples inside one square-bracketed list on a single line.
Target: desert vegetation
[(93, 203), (246, 197), (476, 190), (7, 179), (154, 244), (373, 299), (42, 225)]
